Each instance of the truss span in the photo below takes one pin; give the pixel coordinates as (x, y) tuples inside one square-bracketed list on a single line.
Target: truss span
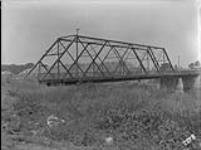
[(79, 58)]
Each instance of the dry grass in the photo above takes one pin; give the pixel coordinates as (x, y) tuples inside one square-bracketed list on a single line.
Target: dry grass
[(137, 116)]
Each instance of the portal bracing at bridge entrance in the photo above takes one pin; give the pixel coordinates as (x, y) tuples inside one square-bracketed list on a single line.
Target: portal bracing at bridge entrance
[(78, 58)]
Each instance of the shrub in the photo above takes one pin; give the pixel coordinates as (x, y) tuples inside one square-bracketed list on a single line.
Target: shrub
[(137, 116)]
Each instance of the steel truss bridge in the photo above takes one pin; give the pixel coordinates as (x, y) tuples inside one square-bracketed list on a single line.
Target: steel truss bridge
[(77, 58)]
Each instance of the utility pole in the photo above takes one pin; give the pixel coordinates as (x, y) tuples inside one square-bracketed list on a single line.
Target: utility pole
[(178, 61)]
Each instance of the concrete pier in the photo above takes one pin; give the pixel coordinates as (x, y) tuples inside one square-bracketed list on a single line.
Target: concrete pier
[(197, 83), (191, 82), (168, 83), (180, 84)]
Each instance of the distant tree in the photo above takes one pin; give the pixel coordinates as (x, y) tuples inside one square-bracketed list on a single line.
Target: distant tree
[(191, 65), (194, 65), (29, 65), (197, 63)]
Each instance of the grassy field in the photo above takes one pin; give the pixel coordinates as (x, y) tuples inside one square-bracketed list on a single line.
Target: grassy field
[(136, 116)]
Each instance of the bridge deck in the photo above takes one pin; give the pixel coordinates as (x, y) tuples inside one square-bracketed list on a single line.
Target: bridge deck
[(114, 78)]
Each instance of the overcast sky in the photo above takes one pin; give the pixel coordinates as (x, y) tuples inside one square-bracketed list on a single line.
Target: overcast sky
[(29, 27)]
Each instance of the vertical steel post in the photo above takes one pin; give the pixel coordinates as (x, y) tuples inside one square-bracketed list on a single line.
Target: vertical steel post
[(44, 55), (39, 70), (93, 70), (67, 48), (148, 63), (153, 58), (163, 58), (77, 36), (139, 60), (58, 69), (168, 59)]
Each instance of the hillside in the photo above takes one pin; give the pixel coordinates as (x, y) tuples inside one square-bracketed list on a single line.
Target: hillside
[(15, 69)]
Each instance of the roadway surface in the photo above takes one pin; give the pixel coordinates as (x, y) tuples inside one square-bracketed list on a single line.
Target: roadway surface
[(52, 80)]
